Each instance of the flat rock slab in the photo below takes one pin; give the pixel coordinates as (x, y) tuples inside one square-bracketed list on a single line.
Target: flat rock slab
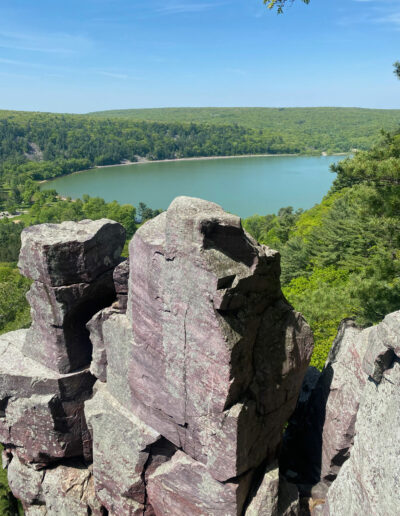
[(121, 449), (70, 252), (183, 486)]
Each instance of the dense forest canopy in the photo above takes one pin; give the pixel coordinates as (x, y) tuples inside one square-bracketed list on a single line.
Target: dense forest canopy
[(341, 258)]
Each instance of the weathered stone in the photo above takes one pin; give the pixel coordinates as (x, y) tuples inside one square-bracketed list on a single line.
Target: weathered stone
[(41, 411), (321, 434), (265, 499), (121, 279), (118, 433), (71, 252), (25, 482), (58, 336), (288, 499), (66, 489), (207, 359), (98, 366), (368, 482), (183, 486), (210, 324), (383, 347)]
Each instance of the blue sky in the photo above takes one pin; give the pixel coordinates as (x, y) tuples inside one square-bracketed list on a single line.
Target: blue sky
[(86, 55)]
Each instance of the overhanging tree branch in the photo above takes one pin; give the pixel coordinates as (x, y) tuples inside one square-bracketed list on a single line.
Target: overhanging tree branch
[(279, 4)]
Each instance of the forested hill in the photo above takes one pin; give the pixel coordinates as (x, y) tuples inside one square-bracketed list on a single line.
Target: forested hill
[(328, 129)]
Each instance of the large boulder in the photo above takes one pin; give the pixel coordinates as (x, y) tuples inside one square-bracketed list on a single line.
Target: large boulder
[(321, 432), (215, 348), (66, 489), (70, 252), (199, 364), (72, 264), (41, 411), (368, 482), (183, 486)]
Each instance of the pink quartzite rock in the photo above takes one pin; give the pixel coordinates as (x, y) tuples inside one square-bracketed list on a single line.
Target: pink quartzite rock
[(183, 486), (121, 279), (322, 433), (216, 349), (71, 252), (265, 499), (121, 450), (383, 347), (41, 411), (64, 490), (58, 336), (98, 367), (368, 482)]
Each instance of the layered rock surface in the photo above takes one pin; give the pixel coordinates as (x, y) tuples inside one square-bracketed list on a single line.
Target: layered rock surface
[(198, 365), (343, 442)]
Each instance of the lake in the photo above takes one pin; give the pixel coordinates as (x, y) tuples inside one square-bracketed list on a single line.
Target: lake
[(245, 186)]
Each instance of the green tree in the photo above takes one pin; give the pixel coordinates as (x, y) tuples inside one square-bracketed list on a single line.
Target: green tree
[(280, 4)]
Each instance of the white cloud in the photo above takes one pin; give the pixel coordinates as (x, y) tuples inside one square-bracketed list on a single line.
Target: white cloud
[(112, 74), (186, 7), (53, 43)]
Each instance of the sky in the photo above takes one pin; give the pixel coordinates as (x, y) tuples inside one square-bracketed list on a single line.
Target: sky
[(79, 56)]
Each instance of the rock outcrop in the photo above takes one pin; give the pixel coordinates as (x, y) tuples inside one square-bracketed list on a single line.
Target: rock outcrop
[(343, 441), (369, 481), (197, 357)]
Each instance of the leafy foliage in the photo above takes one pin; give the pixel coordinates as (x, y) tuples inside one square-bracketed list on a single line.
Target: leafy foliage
[(342, 257), (279, 4)]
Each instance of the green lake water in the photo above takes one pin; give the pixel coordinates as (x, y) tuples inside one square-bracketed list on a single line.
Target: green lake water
[(244, 186)]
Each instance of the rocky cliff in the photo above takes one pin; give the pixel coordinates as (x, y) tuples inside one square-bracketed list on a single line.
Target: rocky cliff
[(159, 386), (162, 385)]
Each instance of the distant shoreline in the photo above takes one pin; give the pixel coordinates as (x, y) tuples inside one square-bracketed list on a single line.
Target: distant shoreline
[(142, 161)]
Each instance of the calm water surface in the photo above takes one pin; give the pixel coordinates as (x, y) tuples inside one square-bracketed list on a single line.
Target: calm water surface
[(244, 186)]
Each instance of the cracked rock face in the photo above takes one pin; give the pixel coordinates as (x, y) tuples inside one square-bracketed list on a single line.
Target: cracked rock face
[(368, 482), (72, 265), (215, 348), (198, 366), (321, 432), (71, 252), (41, 411)]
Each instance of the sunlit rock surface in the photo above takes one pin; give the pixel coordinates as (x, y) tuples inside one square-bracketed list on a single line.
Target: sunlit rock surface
[(197, 357)]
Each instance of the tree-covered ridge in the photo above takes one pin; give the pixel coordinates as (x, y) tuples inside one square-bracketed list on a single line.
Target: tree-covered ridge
[(342, 257), (328, 129)]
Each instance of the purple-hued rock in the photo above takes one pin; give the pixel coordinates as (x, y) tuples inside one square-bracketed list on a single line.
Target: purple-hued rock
[(65, 490), (58, 337), (321, 433), (183, 486), (41, 411), (210, 325), (98, 366), (119, 482), (121, 280), (70, 252), (264, 502), (368, 482), (383, 347)]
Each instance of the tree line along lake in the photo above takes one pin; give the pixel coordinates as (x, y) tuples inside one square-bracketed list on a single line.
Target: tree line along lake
[(244, 185)]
